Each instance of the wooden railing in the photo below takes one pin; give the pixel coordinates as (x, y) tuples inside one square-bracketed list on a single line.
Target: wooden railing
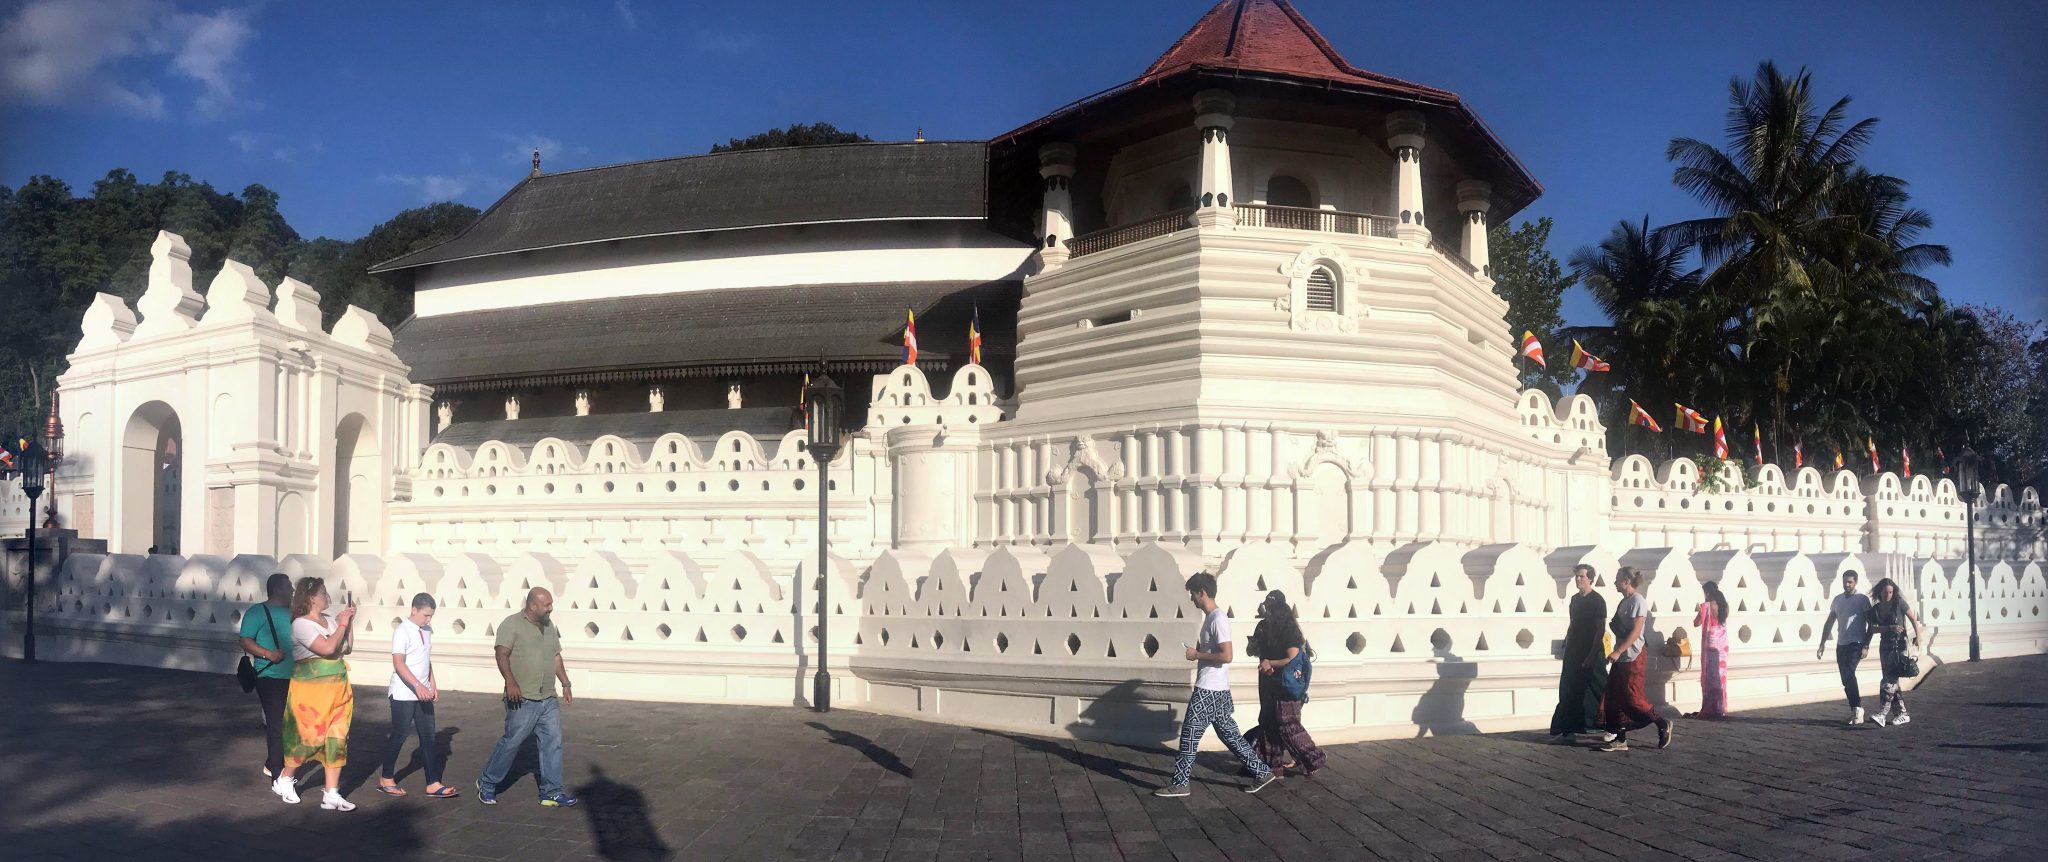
[(1159, 225), (1304, 218)]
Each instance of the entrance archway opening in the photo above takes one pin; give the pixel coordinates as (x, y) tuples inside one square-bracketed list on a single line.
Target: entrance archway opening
[(151, 481), (357, 464)]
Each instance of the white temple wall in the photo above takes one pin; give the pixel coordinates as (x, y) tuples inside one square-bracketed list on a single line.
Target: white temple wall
[(1428, 638)]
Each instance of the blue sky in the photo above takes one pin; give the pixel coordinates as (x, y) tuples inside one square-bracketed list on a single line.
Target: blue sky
[(354, 111)]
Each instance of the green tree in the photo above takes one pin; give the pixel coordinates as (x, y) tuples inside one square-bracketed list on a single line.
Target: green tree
[(1533, 283), (797, 135)]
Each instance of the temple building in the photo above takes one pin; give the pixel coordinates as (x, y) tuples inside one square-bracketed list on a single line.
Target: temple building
[(1235, 314)]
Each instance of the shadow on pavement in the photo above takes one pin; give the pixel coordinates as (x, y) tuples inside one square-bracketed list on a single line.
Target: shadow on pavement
[(1109, 767), (620, 821), (881, 756), (391, 833)]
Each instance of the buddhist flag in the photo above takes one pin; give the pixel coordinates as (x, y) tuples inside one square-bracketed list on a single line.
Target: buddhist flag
[(1759, 432), (910, 337), (1943, 458), (1798, 454), (974, 337), (1532, 348), (1638, 416), (6, 457), (1871, 444), (803, 395), (1906, 457), (1586, 361), (1838, 457), (1720, 440), (1689, 419)]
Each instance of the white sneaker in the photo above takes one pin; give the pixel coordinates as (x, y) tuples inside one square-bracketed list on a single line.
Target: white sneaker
[(332, 799), (1901, 718), (1855, 715), (282, 786), (1877, 718), (1607, 737)]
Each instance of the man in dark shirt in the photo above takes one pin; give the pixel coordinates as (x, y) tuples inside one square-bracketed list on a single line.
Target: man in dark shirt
[(1584, 678)]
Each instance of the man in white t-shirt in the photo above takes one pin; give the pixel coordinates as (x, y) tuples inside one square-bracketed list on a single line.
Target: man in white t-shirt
[(413, 695), (1848, 619), (1210, 704)]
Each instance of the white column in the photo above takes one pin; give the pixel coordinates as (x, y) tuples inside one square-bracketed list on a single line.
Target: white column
[(1212, 196), (1475, 197), (1056, 221), (1404, 134)]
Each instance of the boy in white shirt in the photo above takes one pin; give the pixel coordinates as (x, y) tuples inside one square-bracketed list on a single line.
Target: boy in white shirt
[(1210, 703), (413, 696)]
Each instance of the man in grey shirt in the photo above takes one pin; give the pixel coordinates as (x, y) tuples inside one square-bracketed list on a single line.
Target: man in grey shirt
[(1848, 619)]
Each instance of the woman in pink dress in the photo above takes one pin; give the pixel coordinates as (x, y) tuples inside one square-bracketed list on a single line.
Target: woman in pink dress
[(1712, 623)]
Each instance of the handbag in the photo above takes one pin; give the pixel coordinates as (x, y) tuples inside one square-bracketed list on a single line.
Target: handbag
[(1906, 664), (1677, 646), (1295, 674), (245, 670)]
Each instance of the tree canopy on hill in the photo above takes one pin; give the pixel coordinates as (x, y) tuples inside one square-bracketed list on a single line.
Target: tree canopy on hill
[(57, 249), (797, 135)]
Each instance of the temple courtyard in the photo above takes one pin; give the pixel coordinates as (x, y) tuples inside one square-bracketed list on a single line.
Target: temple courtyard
[(103, 761)]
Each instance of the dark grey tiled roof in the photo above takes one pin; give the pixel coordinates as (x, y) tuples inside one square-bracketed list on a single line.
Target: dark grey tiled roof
[(703, 427), (749, 326), (750, 188)]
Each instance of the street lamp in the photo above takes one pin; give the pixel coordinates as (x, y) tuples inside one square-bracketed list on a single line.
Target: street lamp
[(823, 402), (33, 461), (1966, 482)]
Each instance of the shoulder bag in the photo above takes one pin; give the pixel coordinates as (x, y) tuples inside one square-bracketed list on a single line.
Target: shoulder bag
[(245, 670), (1294, 675)]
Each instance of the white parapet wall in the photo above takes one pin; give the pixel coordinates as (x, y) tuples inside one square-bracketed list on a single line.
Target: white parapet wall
[(1430, 638)]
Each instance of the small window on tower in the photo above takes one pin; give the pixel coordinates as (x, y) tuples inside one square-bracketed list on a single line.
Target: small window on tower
[(1322, 290)]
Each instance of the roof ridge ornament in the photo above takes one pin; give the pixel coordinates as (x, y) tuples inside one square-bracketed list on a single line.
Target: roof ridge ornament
[(536, 165)]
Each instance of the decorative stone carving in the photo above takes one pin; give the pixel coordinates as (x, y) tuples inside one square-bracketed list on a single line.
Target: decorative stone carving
[(169, 304)]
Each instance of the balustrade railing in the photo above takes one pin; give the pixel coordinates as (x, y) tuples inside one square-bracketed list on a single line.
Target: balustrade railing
[(1125, 234), (1305, 218), (1454, 257)]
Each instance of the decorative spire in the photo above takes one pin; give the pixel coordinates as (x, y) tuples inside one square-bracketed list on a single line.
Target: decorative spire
[(536, 164), (920, 134)]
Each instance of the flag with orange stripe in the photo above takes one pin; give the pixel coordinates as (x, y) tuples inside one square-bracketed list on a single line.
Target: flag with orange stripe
[(1638, 416)]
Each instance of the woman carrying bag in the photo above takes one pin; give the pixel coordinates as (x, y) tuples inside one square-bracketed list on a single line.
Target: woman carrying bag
[(1283, 686), (1889, 615)]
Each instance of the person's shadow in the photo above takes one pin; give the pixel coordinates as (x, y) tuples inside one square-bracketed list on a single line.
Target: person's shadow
[(619, 820), (1441, 711), (881, 756)]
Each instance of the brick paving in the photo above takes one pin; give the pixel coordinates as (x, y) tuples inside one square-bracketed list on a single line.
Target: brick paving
[(102, 762)]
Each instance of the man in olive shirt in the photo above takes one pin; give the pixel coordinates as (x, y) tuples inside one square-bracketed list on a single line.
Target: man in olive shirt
[(530, 660)]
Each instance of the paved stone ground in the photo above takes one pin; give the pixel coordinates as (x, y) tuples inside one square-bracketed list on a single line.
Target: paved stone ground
[(104, 762)]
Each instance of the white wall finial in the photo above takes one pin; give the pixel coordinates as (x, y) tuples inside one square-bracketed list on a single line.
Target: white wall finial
[(359, 328), (298, 305), (236, 295), (108, 321), (169, 304)]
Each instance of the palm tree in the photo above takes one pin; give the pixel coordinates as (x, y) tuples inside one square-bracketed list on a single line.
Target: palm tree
[(1661, 341)]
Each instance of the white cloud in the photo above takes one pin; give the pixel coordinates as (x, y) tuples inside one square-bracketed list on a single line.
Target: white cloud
[(433, 188), (275, 146), (552, 151), (625, 8), (115, 53), (719, 42)]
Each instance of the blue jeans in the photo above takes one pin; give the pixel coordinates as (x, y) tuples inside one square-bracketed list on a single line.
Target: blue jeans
[(524, 719)]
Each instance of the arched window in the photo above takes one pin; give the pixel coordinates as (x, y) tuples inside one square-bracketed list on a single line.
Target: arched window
[(1285, 191), (1322, 289)]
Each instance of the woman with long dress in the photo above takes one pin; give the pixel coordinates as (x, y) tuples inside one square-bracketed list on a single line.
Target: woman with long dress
[(1712, 622), (321, 704)]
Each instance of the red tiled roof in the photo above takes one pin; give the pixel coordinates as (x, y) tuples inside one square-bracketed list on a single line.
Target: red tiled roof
[(1268, 36)]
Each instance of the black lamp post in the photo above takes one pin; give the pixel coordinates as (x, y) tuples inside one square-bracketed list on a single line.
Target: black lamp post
[(823, 402), (33, 461), (1966, 487)]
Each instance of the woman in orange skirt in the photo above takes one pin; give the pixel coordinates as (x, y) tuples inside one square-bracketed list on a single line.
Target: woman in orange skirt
[(321, 704)]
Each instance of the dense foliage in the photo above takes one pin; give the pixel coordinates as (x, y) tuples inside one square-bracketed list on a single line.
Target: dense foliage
[(57, 249), (1801, 304), (797, 135), (1533, 283)]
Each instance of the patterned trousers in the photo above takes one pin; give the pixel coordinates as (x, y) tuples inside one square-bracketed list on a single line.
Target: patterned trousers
[(1205, 708)]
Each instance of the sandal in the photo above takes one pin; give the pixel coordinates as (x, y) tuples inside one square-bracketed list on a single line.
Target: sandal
[(445, 792), (392, 790)]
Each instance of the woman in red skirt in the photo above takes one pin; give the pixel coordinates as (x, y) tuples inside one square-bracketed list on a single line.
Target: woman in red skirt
[(1625, 707)]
